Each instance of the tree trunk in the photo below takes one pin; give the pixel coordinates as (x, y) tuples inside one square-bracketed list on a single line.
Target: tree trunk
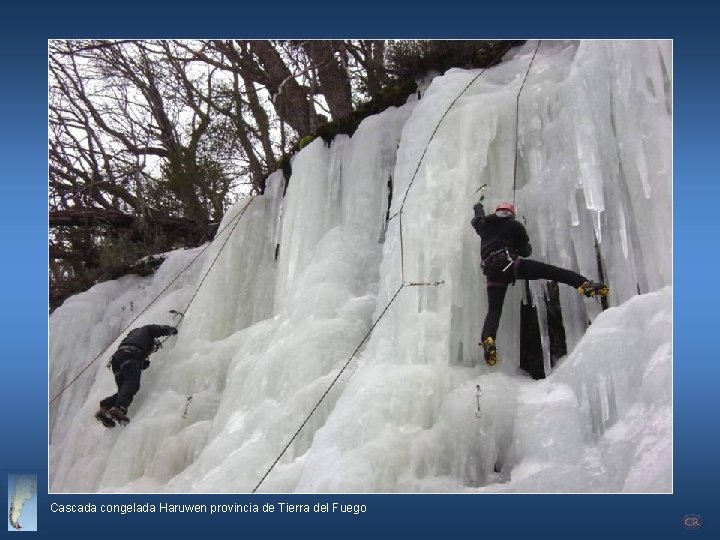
[(375, 67), (171, 226), (290, 100), (334, 79)]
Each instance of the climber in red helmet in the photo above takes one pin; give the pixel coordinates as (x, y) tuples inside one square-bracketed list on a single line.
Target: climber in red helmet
[(504, 246)]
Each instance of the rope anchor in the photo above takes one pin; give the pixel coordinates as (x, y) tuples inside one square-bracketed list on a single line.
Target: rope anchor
[(478, 393)]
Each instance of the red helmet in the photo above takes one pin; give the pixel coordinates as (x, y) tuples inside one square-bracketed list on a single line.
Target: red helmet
[(507, 207)]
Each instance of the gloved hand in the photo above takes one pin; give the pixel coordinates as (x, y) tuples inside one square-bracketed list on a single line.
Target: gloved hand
[(146, 364), (174, 331)]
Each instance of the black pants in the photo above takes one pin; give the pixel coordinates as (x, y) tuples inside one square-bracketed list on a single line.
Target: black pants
[(126, 368), (498, 282)]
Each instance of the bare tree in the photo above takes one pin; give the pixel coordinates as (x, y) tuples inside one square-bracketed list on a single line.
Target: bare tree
[(369, 55), (148, 139), (241, 106), (127, 152), (265, 66), (329, 60)]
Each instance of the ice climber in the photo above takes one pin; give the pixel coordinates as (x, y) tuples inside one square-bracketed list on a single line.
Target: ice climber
[(127, 364), (504, 246)]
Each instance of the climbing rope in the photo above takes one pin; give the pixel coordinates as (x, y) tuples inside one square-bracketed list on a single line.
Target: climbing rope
[(603, 299), (422, 156), (233, 222), (329, 387), (437, 126), (403, 285), (222, 247), (402, 251), (517, 118), (236, 219)]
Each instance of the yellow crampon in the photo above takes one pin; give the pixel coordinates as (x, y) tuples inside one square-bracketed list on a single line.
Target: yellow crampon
[(490, 351)]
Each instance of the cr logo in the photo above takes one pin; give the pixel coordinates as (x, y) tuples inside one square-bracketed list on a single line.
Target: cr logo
[(692, 521)]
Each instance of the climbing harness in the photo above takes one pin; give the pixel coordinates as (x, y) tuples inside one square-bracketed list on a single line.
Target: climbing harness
[(498, 257), (157, 345)]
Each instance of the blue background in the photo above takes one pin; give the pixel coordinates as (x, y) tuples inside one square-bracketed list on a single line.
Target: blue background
[(23, 272)]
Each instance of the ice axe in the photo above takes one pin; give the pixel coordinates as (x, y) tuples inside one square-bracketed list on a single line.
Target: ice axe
[(177, 313), (158, 343)]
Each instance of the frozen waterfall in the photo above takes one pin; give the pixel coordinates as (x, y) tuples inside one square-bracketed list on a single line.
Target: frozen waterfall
[(307, 272)]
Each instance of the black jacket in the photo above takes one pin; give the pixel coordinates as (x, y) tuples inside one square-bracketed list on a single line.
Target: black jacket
[(144, 337), (499, 232)]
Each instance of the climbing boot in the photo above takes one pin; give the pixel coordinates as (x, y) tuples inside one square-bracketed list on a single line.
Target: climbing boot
[(104, 418), (592, 289), (490, 351), (119, 414)]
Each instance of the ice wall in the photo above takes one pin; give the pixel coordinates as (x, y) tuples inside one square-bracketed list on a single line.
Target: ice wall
[(293, 292)]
